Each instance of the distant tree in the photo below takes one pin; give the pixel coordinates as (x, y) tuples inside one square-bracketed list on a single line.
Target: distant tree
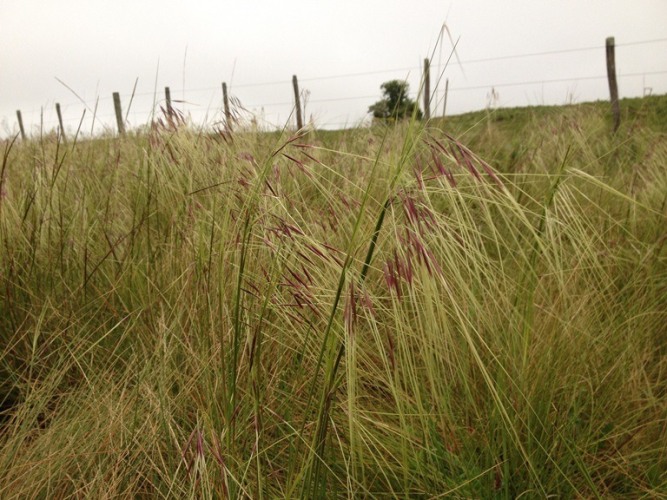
[(396, 103)]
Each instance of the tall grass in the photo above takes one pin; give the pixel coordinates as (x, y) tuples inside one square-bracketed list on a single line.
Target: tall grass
[(378, 312)]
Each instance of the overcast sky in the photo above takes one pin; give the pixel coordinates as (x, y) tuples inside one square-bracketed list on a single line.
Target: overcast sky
[(341, 50)]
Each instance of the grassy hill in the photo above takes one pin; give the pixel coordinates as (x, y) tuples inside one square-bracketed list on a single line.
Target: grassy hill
[(473, 308)]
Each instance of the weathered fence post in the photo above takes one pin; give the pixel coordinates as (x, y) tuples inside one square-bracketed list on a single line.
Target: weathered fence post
[(427, 90), (225, 101), (119, 113), (444, 104), (167, 98), (297, 103), (613, 85), (60, 123), (20, 119)]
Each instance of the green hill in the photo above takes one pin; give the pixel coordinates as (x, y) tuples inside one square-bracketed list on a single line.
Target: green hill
[(474, 308)]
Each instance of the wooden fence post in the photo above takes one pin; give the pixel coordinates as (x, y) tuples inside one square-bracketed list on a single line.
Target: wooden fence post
[(119, 113), (225, 100), (167, 97), (297, 103), (427, 90), (444, 104), (60, 122), (613, 84), (20, 118)]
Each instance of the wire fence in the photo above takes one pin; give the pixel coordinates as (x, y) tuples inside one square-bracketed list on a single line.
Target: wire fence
[(342, 100)]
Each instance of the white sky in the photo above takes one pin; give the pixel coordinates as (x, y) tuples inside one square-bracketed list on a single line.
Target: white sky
[(97, 47)]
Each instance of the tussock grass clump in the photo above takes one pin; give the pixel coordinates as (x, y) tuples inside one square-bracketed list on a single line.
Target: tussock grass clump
[(420, 311)]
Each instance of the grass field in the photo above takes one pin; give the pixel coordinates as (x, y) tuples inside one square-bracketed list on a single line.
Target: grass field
[(476, 308)]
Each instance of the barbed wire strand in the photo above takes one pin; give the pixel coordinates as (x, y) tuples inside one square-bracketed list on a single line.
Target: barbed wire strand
[(394, 70), (451, 89)]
